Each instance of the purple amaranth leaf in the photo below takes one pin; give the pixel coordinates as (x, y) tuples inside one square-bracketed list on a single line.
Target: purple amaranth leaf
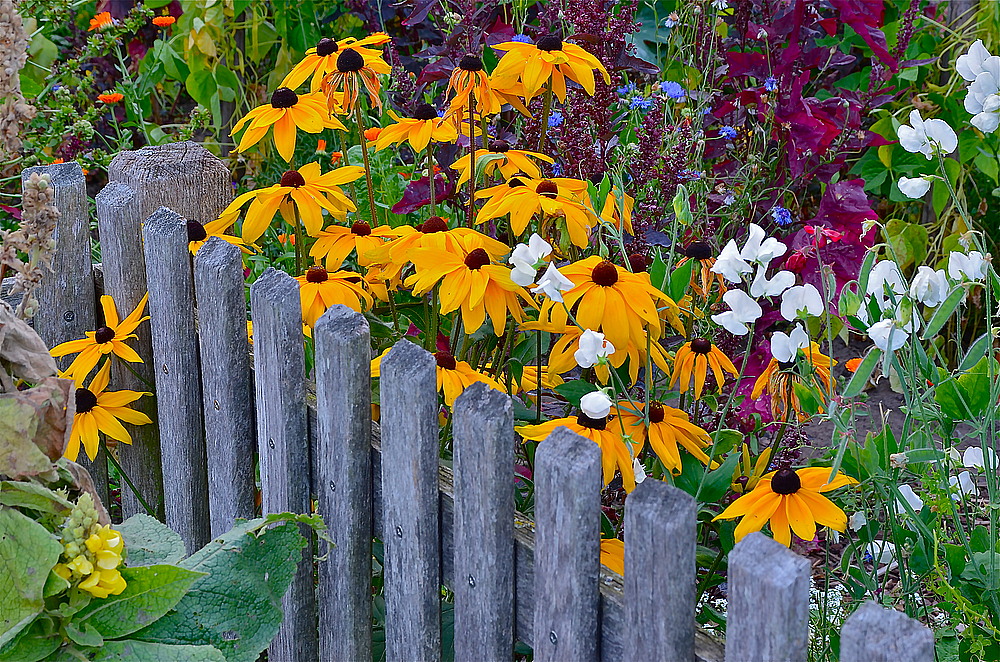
[(865, 17), (418, 194)]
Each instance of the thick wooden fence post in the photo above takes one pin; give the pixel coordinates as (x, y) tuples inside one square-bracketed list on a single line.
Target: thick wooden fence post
[(283, 444), (759, 567), (876, 634), (660, 530), (484, 525), (342, 478), (226, 382), (567, 548), (66, 298), (178, 381), (410, 504)]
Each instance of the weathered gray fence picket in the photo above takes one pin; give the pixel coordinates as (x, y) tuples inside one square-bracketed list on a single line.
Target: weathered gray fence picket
[(512, 580)]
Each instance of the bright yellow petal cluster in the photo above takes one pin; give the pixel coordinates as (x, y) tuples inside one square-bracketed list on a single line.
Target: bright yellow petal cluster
[(286, 112), (559, 197), (502, 158), (422, 129), (320, 289), (96, 566), (453, 376), (108, 339), (667, 428), (322, 59), (549, 58), (99, 410), (692, 361)]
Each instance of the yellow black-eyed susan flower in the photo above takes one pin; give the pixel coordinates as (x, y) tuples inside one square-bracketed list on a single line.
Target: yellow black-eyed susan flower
[(336, 242), (198, 234), (320, 289), (420, 130), (108, 339), (322, 59), (667, 428), (453, 376), (286, 112), (467, 80), (549, 57), (99, 410), (522, 198), (778, 381), (352, 73), (692, 361), (613, 555), (507, 161), (702, 276)]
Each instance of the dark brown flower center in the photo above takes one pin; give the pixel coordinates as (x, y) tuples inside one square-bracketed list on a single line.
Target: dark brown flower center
[(349, 61), (424, 111), (593, 423), (292, 179), (549, 42), (514, 182), (196, 231), (656, 413), (326, 46), (445, 360), (471, 63), (548, 188), (284, 98), (605, 274), (361, 229), (104, 334), (499, 146), (701, 346), (433, 224), (639, 262), (317, 274), (698, 250), (476, 259), (786, 365), (785, 481), (85, 400)]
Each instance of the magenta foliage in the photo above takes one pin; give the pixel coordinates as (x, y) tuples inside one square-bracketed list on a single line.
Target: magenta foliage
[(418, 194)]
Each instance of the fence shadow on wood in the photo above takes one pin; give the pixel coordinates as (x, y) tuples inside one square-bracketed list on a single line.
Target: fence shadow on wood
[(513, 580)]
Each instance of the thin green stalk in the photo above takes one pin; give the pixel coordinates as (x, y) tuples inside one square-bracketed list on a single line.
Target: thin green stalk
[(472, 161), (543, 127), (368, 167), (128, 481), (142, 379), (430, 175)]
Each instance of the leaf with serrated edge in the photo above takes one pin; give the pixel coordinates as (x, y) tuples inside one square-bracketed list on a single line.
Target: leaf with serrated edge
[(150, 542), (27, 553)]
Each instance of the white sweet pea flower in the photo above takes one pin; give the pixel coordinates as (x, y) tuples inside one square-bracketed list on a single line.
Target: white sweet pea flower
[(638, 470), (964, 484), (927, 137), (801, 301), (885, 278), (596, 404), (882, 552), (526, 259), (857, 520), (593, 348), (970, 65), (523, 274), (914, 187), (730, 264), (744, 311), (982, 70), (910, 497), (760, 250), (986, 120), (784, 348), (973, 458), (929, 287), (553, 284), (966, 267), (771, 287), (953, 455), (888, 335)]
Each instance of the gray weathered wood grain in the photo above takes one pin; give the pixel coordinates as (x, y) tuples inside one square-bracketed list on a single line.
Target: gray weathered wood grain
[(178, 379), (283, 444), (410, 502), (567, 548), (768, 616), (226, 382), (342, 479), (660, 573), (876, 634), (484, 525)]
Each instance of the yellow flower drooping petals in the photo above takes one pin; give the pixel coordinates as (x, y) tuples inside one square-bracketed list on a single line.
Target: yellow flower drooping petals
[(286, 113), (322, 59), (469, 79), (559, 197), (453, 376), (320, 289), (549, 58), (353, 71), (508, 161), (108, 339), (99, 410), (778, 382), (335, 243), (692, 361), (667, 428), (422, 129)]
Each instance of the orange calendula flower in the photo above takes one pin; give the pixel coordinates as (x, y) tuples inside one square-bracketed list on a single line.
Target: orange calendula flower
[(99, 410), (549, 57), (453, 376), (335, 243), (351, 73), (108, 339), (164, 21), (286, 113), (605, 432), (422, 129), (335, 157), (790, 499), (667, 428), (320, 289), (467, 80), (100, 21), (322, 59), (501, 157), (559, 197), (372, 133), (110, 97), (852, 364), (778, 381), (692, 361)]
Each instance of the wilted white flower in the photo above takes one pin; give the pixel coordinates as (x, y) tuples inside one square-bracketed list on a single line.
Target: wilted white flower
[(914, 187), (801, 301), (593, 348), (929, 287), (744, 311), (771, 287), (553, 284), (857, 520), (898, 460), (973, 458), (730, 264), (882, 552), (966, 267), (888, 335), (760, 250), (784, 348), (964, 484), (596, 404), (927, 137), (638, 470), (910, 497)]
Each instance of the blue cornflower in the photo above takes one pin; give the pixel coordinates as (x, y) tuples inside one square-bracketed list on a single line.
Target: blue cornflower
[(781, 215), (523, 38), (770, 83), (626, 90), (555, 119), (643, 103), (727, 132), (673, 90), (690, 174), (557, 169)]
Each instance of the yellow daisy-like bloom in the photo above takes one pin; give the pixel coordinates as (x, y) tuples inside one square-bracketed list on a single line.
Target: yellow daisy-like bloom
[(98, 410), (351, 73), (453, 376), (379, 280), (108, 339), (702, 276), (509, 162), (198, 234), (469, 79), (320, 289), (423, 128), (613, 555), (306, 191), (668, 427), (605, 432), (611, 212), (778, 380), (335, 243), (693, 360), (286, 112), (322, 59), (789, 498), (548, 58), (748, 473), (528, 382), (522, 198), (620, 304), (470, 282)]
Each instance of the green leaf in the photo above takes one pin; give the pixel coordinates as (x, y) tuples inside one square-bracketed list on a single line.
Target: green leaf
[(201, 86), (84, 634), (680, 279), (807, 398), (150, 542), (726, 440), (968, 396), (151, 591), (237, 607), (129, 650), (866, 269), (908, 241), (19, 494), (718, 481), (864, 372), (33, 643), (944, 312), (28, 551), (575, 390)]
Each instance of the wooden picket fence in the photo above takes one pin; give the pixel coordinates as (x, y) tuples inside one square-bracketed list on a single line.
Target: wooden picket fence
[(220, 406)]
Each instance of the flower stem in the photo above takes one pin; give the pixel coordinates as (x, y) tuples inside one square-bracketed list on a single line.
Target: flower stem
[(538, 365), (472, 159), (430, 175), (137, 375), (128, 481), (546, 110), (297, 228), (368, 167)]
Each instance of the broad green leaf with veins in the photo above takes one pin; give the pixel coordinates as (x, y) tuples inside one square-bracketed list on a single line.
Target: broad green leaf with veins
[(27, 553)]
